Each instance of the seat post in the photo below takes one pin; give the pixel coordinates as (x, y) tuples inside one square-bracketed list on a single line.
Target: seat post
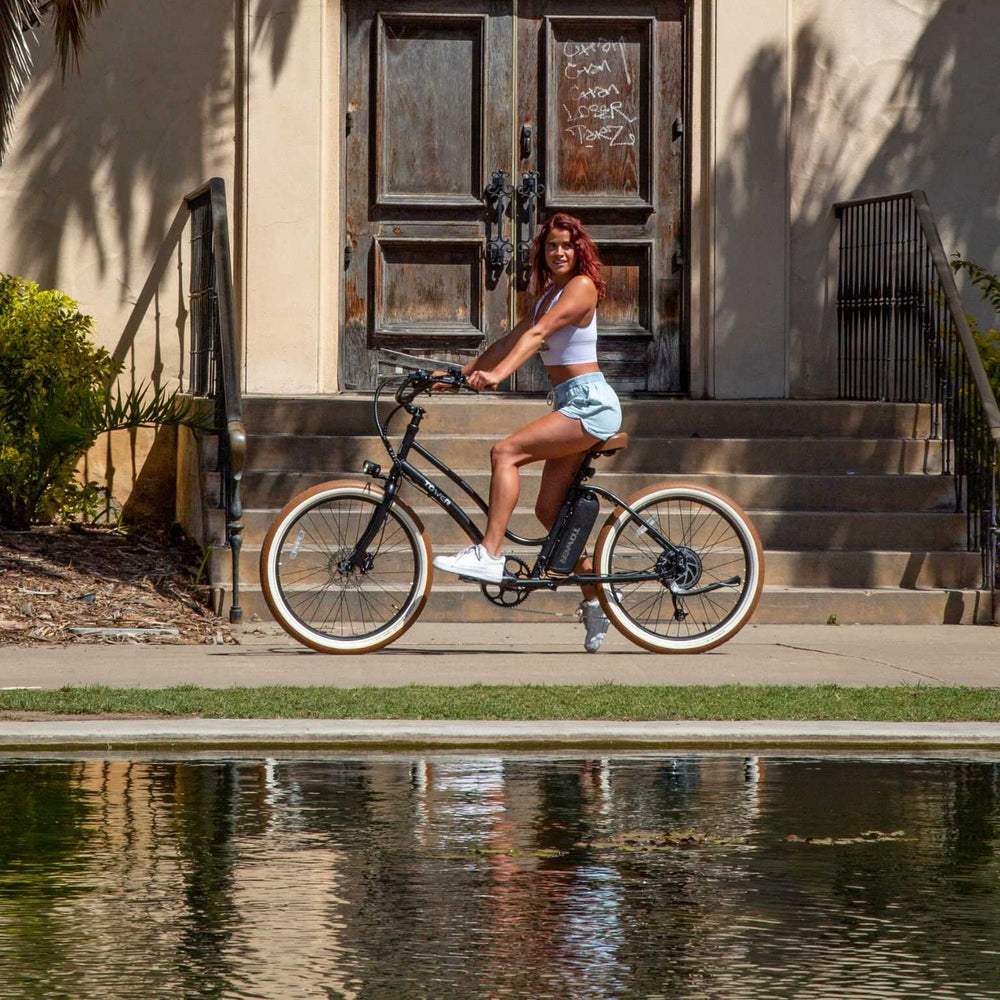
[(586, 469)]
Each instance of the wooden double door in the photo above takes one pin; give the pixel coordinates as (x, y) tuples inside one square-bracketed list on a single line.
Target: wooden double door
[(468, 122)]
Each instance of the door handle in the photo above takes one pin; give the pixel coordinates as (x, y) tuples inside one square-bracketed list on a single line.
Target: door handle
[(529, 191), (497, 196)]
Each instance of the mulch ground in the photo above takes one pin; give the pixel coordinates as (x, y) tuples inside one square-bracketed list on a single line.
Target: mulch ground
[(61, 577)]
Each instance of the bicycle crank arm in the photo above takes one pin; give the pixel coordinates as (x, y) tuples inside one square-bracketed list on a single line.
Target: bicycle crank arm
[(733, 581)]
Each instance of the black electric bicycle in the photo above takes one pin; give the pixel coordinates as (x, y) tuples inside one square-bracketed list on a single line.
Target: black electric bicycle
[(346, 565)]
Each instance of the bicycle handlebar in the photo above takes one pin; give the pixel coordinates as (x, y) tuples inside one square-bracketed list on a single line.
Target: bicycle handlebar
[(421, 381)]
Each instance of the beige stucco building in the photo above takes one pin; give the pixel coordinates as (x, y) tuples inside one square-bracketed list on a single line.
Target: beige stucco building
[(785, 107)]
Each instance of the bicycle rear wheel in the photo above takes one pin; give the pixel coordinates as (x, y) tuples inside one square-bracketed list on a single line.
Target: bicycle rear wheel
[(318, 601), (717, 545)]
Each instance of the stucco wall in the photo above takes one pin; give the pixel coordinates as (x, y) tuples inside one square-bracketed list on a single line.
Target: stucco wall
[(170, 93), (293, 128), (747, 103), (91, 189), (886, 97), (797, 103)]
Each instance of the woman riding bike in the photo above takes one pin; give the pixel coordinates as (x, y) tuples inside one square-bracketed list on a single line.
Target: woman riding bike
[(562, 328)]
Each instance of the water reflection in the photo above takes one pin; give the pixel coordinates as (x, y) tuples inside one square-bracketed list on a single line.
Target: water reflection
[(478, 876)]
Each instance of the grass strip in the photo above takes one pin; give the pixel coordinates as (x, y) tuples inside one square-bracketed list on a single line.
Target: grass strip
[(507, 702)]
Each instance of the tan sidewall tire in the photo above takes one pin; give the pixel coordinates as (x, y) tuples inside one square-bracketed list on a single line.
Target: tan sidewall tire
[(611, 608), (310, 638)]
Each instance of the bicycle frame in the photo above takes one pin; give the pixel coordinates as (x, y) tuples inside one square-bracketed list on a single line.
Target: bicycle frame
[(403, 469)]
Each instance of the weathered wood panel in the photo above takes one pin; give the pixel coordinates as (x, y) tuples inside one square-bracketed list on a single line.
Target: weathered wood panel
[(601, 95), (598, 112), (430, 98), (428, 94), (427, 292)]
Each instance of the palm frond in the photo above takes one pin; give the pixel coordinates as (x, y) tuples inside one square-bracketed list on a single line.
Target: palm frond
[(70, 19), (137, 409), (17, 17)]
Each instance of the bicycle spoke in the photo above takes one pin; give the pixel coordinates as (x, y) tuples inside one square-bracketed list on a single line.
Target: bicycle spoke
[(710, 550), (353, 602)]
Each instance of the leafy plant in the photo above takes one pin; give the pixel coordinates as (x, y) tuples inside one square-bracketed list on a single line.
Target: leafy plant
[(55, 399), (988, 342)]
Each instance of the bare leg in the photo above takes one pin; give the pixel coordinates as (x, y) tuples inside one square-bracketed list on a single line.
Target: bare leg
[(550, 437), (556, 479)]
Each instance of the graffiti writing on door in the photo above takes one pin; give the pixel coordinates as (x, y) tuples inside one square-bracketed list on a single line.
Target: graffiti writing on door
[(596, 94)]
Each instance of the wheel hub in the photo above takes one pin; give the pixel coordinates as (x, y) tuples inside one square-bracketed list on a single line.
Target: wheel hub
[(337, 564), (683, 568)]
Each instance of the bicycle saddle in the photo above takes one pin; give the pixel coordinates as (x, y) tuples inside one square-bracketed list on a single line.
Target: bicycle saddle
[(614, 443)]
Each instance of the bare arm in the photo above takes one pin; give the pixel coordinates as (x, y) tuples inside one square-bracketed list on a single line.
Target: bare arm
[(499, 349), (577, 300)]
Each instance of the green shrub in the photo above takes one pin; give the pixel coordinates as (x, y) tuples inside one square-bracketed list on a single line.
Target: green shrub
[(55, 401), (49, 371), (987, 341)]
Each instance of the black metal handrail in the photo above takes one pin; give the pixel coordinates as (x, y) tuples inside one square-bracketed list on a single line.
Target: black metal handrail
[(214, 370), (904, 337)]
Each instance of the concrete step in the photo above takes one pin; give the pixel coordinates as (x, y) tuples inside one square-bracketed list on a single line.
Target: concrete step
[(778, 606), (778, 491), (352, 414), (778, 529), (783, 568), (667, 456)]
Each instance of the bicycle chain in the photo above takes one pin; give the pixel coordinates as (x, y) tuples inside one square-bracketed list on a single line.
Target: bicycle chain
[(496, 599)]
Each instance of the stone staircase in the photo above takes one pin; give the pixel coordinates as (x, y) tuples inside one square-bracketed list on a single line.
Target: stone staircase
[(857, 522)]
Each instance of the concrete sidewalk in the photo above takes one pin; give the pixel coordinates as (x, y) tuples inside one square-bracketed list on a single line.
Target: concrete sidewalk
[(518, 653)]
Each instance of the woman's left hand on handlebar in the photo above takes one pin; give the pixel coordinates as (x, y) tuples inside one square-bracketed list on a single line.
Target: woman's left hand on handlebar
[(443, 386), (482, 380)]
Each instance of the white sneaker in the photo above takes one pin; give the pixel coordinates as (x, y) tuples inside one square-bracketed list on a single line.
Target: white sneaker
[(592, 615), (475, 563)]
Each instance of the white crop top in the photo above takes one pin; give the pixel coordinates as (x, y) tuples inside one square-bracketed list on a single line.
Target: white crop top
[(570, 345)]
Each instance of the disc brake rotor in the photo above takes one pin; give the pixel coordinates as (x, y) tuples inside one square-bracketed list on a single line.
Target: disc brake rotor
[(683, 568)]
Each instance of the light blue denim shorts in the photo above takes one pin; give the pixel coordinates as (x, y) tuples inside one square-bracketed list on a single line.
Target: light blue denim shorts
[(589, 399)]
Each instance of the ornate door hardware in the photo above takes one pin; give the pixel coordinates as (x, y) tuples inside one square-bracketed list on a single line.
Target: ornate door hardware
[(528, 191), (497, 196)]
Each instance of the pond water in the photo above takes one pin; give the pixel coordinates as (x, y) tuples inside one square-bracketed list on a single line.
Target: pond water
[(475, 876)]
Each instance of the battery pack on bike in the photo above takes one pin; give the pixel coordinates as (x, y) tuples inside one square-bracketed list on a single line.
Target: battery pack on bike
[(573, 535)]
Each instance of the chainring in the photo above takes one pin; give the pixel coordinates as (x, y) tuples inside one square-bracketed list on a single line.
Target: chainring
[(507, 597)]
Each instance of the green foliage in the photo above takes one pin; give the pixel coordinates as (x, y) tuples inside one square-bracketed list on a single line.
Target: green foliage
[(49, 372), (55, 401), (987, 283), (987, 341)]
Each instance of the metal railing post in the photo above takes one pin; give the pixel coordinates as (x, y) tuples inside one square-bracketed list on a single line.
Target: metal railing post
[(215, 351)]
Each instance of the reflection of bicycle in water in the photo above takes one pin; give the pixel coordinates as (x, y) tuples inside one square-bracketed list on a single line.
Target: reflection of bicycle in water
[(346, 565)]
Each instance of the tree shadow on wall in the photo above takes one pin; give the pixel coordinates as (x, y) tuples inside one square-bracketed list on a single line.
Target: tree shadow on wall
[(750, 247), (116, 148), (938, 133), (105, 159)]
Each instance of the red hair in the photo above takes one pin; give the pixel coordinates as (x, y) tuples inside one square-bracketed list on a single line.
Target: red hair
[(588, 261)]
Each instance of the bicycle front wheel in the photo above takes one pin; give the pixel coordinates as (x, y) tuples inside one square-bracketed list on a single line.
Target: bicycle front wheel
[(715, 545), (323, 604)]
